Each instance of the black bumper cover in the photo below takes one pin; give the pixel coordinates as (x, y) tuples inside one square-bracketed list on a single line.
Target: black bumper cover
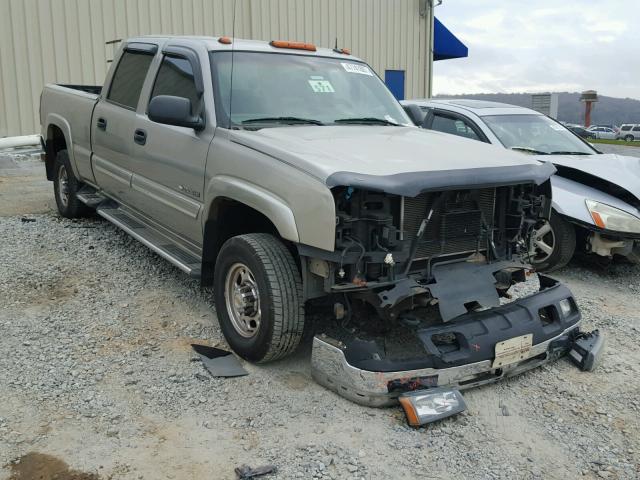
[(477, 333)]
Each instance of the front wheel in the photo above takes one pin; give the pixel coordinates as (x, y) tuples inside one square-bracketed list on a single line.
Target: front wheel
[(552, 244), (629, 138), (258, 297)]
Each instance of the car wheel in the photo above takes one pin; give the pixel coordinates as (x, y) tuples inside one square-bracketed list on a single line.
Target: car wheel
[(634, 255), (66, 187), (628, 138), (258, 297), (552, 244)]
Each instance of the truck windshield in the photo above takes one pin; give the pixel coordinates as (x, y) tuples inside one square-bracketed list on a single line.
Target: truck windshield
[(536, 134), (272, 89)]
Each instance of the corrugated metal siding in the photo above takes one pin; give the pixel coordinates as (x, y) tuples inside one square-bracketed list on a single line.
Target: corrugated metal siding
[(63, 41)]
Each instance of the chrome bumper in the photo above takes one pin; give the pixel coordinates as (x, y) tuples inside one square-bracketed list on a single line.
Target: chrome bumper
[(330, 369)]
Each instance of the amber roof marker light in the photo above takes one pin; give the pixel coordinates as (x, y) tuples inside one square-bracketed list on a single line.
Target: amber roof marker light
[(343, 51), (293, 45), (225, 40)]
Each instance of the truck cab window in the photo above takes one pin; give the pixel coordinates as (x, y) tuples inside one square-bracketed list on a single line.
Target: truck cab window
[(176, 78), (128, 79)]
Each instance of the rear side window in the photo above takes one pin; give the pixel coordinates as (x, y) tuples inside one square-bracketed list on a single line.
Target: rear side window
[(636, 129), (129, 77), (176, 78), (454, 126)]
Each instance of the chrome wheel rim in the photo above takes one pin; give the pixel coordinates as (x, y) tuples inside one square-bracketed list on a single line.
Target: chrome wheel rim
[(63, 186), (242, 300), (543, 242)]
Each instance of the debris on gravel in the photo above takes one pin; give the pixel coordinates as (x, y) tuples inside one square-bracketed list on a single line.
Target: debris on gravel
[(97, 370)]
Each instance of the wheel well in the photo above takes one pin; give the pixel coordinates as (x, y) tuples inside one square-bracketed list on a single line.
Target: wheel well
[(55, 143), (229, 218)]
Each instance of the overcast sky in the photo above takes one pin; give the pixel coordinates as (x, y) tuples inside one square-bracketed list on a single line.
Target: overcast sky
[(542, 45)]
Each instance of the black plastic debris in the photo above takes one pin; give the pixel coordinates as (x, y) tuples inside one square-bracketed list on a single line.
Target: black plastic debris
[(220, 363), (587, 350), (245, 471), (27, 220)]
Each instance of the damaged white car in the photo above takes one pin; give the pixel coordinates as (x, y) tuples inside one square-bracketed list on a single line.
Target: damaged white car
[(596, 197)]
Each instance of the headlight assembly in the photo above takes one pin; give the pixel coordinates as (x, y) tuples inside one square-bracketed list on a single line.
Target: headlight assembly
[(426, 406), (611, 218)]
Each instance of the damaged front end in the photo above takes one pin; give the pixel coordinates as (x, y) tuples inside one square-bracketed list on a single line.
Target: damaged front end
[(415, 284)]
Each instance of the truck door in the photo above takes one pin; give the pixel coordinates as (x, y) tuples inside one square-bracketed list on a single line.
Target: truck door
[(169, 161), (114, 118)]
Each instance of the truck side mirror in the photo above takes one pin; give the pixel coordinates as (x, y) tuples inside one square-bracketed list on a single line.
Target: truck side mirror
[(172, 110), (415, 114)]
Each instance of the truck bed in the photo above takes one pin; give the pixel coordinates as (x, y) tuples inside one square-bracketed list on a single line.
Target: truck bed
[(69, 108)]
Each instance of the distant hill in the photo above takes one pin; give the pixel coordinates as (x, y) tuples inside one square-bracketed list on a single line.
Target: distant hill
[(609, 110)]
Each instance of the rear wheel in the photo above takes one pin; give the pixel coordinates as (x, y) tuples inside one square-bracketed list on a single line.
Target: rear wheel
[(258, 297), (552, 244), (66, 187)]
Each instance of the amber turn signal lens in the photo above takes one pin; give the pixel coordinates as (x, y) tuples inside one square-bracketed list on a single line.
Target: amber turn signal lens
[(293, 45), (409, 411), (597, 219)]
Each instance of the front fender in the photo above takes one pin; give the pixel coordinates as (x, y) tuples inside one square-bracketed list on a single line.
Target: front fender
[(256, 197), (569, 200)]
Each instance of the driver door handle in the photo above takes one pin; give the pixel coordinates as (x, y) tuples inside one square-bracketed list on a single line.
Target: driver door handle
[(101, 123), (140, 136)]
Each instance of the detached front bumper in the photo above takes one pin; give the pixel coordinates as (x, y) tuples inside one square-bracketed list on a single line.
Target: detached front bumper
[(375, 382)]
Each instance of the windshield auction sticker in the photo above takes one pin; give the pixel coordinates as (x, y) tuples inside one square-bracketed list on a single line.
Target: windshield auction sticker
[(357, 68), (321, 86)]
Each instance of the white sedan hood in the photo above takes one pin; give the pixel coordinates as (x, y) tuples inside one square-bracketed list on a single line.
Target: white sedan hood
[(619, 170)]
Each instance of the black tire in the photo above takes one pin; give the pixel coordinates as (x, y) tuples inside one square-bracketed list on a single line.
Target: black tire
[(564, 245), (66, 191), (634, 256), (629, 138), (279, 292)]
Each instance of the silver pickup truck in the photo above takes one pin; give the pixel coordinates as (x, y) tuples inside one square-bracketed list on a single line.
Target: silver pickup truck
[(289, 178)]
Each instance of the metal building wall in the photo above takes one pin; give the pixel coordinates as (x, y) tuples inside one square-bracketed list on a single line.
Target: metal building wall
[(63, 41)]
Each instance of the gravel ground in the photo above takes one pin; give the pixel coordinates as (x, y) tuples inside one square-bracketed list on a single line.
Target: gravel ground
[(96, 371)]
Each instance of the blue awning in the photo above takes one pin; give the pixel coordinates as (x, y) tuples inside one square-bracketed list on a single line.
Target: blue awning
[(445, 44)]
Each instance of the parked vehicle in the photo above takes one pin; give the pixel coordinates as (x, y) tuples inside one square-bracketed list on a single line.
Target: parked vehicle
[(289, 177), (615, 128), (629, 132), (596, 197), (581, 131), (605, 133)]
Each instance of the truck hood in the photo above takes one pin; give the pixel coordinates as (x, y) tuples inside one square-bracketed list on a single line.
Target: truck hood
[(401, 160), (613, 174)]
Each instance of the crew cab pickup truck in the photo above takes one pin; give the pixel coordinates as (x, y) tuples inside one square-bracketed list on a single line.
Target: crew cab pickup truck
[(288, 177)]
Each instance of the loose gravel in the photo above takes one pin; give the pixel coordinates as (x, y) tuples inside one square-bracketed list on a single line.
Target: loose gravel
[(96, 369)]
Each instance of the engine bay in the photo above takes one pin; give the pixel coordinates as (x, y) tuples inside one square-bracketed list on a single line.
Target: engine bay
[(399, 255)]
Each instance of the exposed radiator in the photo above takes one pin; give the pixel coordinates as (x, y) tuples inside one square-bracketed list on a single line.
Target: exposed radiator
[(458, 229)]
